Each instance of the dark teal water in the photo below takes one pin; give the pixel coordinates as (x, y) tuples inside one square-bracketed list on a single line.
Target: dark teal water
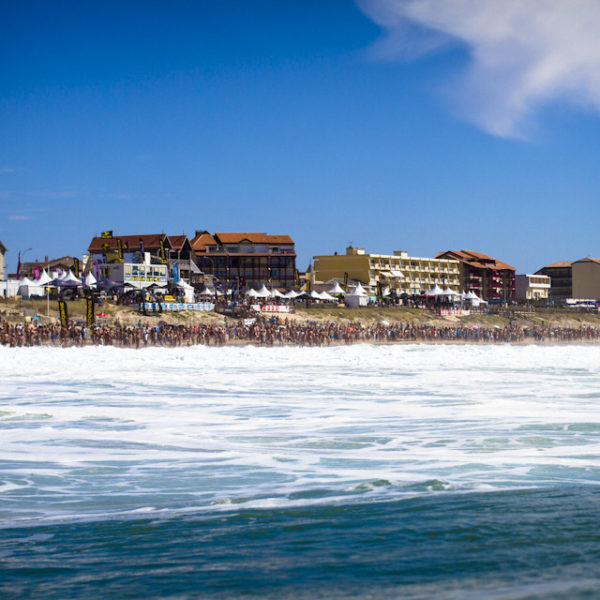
[(542, 543)]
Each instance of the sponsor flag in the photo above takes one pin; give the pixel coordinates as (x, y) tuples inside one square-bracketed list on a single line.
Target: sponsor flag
[(175, 273), (90, 311), (64, 314), (346, 280), (379, 291), (106, 235), (141, 245), (163, 255), (297, 278), (36, 272), (76, 266), (19, 267), (120, 249)]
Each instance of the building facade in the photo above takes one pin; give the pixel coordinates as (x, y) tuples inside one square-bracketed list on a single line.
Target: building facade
[(398, 272), (109, 248), (489, 278), (247, 259), (586, 278), (561, 279), (532, 287)]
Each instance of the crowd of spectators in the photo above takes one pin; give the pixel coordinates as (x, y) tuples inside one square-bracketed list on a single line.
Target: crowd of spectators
[(277, 332)]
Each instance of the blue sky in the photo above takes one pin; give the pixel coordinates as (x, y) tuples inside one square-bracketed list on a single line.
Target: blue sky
[(390, 124)]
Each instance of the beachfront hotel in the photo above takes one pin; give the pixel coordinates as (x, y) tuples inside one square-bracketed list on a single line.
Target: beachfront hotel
[(247, 259), (561, 279), (489, 278), (398, 271)]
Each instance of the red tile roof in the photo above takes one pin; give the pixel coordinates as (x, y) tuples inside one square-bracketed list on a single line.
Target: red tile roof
[(476, 259), (177, 241), (255, 238), (131, 242), (200, 242)]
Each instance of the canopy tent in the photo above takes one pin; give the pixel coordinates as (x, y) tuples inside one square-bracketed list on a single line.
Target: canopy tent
[(277, 294), (109, 284), (336, 289), (450, 293), (291, 294), (89, 280), (63, 283), (436, 290), (252, 293), (357, 297), (71, 278), (26, 281), (316, 295), (327, 297), (44, 278), (263, 292), (358, 290), (188, 290), (206, 291)]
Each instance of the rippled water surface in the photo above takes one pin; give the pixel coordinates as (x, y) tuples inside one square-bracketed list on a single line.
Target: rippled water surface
[(416, 471)]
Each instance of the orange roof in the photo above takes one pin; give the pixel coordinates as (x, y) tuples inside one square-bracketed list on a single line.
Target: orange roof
[(556, 265), (131, 242), (255, 238), (177, 241), (200, 242), (476, 259), (588, 259)]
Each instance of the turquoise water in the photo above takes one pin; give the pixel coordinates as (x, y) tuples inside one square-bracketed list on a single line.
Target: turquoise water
[(359, 472)]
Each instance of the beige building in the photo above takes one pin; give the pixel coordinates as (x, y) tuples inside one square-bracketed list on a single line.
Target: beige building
[(586, 278), (2, 253), (532, 287), (398, 272)]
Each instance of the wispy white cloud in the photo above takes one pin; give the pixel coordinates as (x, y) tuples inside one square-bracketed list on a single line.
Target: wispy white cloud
[(523, 54), (19, 217)]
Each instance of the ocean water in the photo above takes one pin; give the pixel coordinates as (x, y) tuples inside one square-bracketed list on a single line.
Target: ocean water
[(407, 471)]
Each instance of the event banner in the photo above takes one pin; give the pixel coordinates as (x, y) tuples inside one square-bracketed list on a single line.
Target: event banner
[(89, 311), (62, 311)]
